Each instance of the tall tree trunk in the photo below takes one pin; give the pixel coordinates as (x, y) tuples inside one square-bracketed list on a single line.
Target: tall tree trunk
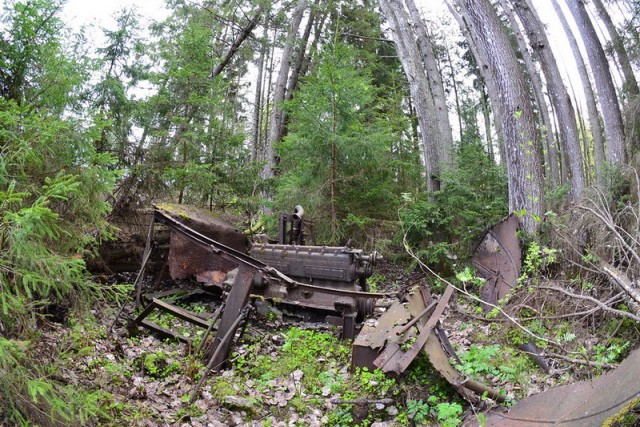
[(267, 97), (277, 113), (456, 96), (334, 173), (592, 107), (418, 86), (434, 76), (242, 36), (509, 94), (568, 127), (486, 115), (257, 107), (484, 97), (299, 58), (550, 154), (607, 96), (630, 82)]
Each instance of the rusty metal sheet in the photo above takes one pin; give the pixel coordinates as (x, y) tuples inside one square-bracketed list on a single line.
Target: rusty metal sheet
[(439, 359), (187, 259), (497, 259), (207, 223), (380, 336), (582, 404), (235, 303), (398, 361)]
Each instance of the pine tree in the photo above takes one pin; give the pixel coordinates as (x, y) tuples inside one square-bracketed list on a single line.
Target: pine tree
[(333, 160)]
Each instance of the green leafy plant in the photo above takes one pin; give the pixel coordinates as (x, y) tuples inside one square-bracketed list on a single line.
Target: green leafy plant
[(418, 410), (448, 414), (537, 259), (445, 226)]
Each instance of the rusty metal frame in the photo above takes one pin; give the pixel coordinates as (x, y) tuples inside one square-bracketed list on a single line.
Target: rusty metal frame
[(253, 276)]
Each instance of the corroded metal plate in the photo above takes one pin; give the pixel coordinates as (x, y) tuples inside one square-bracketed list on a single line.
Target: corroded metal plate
[(497, 259)]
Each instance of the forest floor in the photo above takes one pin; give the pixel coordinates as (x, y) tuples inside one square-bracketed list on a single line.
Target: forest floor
[(285, 372)]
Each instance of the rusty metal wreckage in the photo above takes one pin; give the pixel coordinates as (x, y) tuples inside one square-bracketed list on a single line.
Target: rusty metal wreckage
[(332, 281)]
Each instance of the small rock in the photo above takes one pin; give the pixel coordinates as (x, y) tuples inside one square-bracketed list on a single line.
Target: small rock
[(297, 374), (238, 403), (236, 420)]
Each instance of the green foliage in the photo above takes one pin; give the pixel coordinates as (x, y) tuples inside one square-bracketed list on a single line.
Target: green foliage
[(537, 259), (612, 353), (448, 222), (158, 364), (448, 414), (53, 184), (375, 281), (28, 396), (418, 410), (500, 363), (197, 153), (335, 158), (53, 192)]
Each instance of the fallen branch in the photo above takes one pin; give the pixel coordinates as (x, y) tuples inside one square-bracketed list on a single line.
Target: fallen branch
[(361, 401), (621, 280), (581, 362), (593, 300), (473, 297)]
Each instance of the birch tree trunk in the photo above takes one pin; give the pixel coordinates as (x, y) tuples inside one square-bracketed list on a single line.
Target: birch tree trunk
[(590, 98), (424, 106), (277, 113), (568, 127), (509, 94), (607, 96)]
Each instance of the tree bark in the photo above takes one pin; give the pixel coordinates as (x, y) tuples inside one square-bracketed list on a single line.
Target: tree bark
[(592, 107), (456, 96), (509, 94), (298, 60), (568, 127), (434, 76), (607, 96), (277, 113), (484, 97), (550, 153), (257, 107), (418, 87), (630, 82), (246, 31)]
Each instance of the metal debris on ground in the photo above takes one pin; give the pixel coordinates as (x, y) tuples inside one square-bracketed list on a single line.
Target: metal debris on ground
[(325, 279), (581, 404), (409, 326)]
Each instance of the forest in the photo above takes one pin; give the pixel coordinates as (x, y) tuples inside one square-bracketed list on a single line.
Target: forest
[(402, 127)]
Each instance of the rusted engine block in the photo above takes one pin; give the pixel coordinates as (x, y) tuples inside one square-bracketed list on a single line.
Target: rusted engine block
[(327, 267)]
